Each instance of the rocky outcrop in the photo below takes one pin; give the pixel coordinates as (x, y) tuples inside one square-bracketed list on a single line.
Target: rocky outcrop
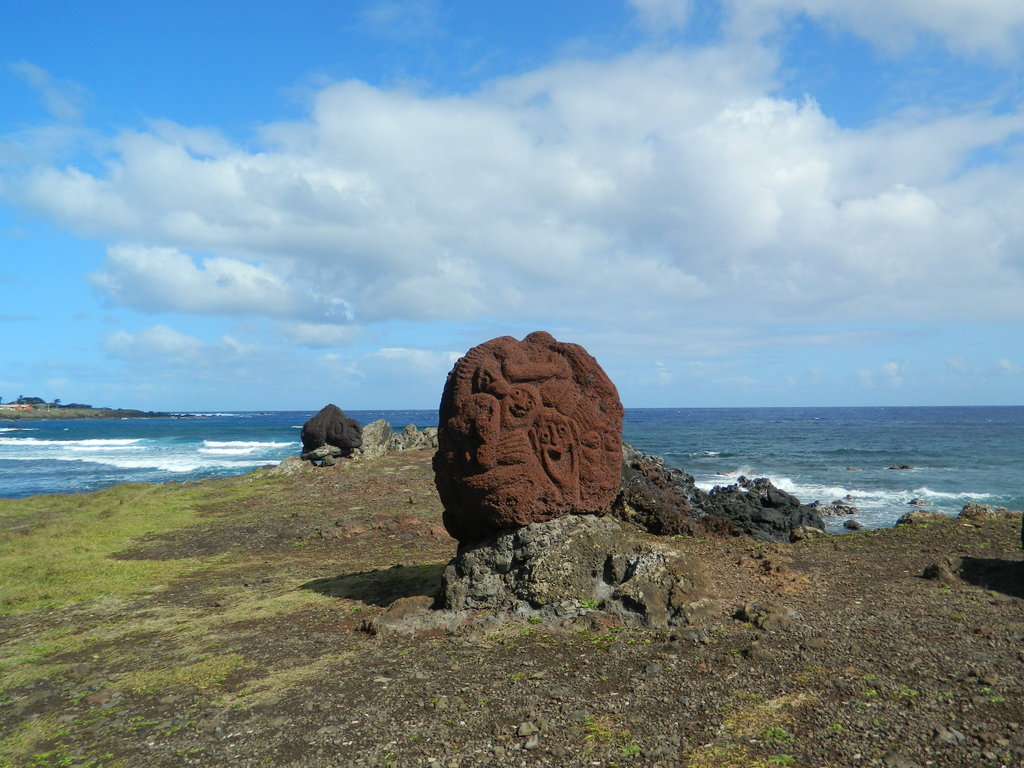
[(574, 564), (663, 500), (379, 438), (838, 508), (758, 509), (974, 511), (528, 431), (330, 435), (666, 501), (917, 516)]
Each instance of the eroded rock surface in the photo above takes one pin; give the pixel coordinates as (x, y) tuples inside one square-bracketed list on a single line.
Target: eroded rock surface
[(379, 438), (528, 431), (576, 563), (666, 501), (329, 435)]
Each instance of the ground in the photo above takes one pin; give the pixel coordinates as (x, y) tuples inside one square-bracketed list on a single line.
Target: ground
[(232, 622)]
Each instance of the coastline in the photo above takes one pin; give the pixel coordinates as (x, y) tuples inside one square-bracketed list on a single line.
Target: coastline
[(60, 414), (246, 619)]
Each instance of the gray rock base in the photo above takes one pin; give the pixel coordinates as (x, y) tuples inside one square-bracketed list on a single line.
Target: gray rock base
[(574, 564), (379, 438)]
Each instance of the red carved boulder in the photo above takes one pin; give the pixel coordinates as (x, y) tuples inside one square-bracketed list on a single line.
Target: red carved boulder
[(529, 431)]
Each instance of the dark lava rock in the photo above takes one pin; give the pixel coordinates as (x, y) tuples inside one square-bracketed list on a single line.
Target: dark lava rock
[(662, 499), (576, 563), (330, 429), (666, 501), (528, 431), (760, 510)]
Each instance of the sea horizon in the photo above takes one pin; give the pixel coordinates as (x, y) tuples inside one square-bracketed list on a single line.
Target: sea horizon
[(959, 454)]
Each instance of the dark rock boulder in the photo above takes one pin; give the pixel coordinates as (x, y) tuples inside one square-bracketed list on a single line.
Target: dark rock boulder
[(663, 500), (666, 501), (573, 564), (528, 431), (330, 434), (758, 509)]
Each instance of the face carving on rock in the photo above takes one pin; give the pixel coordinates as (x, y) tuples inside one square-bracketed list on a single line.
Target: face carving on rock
[(508, 447), (557, 449), (519, 406)]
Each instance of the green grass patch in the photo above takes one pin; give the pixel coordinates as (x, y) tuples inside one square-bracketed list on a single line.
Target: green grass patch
[(203, 675), (58, 550)]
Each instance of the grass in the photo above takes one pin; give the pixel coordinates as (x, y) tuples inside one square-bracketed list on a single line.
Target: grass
[(57, 550), (65, 559), (769, 723), (202, 675)]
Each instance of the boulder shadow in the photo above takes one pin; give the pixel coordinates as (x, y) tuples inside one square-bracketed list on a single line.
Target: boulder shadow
[(1006, 576), (383, 586)]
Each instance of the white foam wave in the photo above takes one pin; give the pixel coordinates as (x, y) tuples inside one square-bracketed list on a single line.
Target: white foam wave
[(173, 463), (34, 442), (176, 464), (927, 493), (243, 444)]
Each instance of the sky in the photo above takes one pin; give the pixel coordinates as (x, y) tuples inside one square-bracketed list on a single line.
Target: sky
[(270, 205)]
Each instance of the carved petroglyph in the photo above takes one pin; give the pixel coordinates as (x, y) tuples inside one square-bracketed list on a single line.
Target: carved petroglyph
[(528, 431)]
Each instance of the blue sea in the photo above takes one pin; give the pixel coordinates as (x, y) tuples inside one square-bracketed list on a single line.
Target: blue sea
[(958, 455)]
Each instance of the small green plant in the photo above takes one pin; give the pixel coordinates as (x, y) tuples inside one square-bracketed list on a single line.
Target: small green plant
[(631, 750), (781, 760), (836, 728), (905, 693), (535, 619), (777, 735)]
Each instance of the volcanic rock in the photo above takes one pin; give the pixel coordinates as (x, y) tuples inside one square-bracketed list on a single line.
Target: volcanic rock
[(666, 501), (975, 511), (917, 516), (575, 563), (838, 508), (330, 434), (759, 509), (528, 431), (379, 438), (663, 500)]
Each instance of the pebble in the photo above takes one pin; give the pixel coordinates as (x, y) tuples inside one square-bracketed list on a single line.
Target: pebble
[(949, 736), (527, 729)]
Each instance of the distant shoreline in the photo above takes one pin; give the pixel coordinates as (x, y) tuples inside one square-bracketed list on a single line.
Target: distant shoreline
[(59, 414)]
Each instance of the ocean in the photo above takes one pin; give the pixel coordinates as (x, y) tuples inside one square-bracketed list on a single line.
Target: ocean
[(958, 455)]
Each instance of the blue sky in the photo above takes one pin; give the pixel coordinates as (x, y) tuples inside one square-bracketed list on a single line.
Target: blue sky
[(279, 205)]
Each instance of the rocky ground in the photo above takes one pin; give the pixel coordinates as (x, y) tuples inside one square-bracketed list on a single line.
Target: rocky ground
[(268, 646)]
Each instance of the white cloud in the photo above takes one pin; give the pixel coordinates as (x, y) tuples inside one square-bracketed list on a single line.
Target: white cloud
[(167, 280), (893, 373), (993, 27), (416, 360), (318, 335), (658, 190), (63, 99), (158, 343), (1007, 367), (661, 15)]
